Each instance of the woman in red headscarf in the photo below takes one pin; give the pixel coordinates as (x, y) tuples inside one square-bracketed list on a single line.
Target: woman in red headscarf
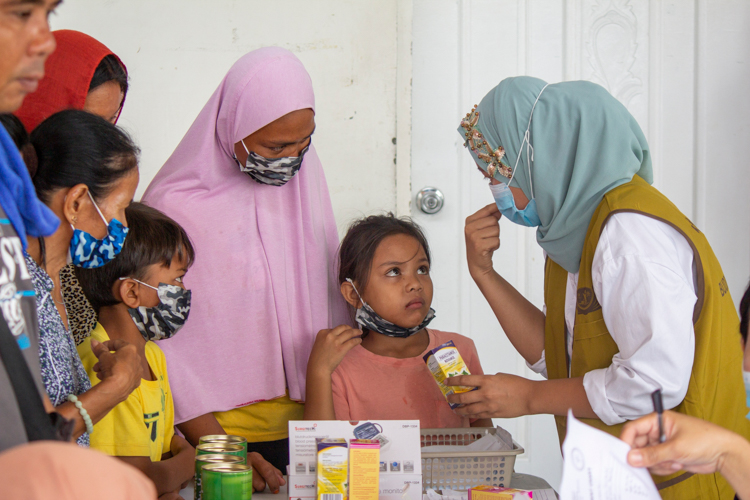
[(84, 74)]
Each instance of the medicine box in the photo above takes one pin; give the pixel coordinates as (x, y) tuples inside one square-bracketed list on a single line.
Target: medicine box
[(364, 469), (444, 362), (392, 487), (333, 468), (400, 462)]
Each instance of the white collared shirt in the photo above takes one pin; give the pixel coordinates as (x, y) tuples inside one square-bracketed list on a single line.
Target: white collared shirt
[(643, 276)]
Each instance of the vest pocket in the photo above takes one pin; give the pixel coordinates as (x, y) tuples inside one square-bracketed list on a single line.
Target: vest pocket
[(584, 330)]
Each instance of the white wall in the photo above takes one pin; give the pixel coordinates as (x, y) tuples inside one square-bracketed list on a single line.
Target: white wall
[(177, 52)]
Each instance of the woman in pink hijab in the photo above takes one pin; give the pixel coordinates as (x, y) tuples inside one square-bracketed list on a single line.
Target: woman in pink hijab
[(247, 185)]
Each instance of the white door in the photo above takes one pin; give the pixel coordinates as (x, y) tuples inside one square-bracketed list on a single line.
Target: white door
[(678, 67)]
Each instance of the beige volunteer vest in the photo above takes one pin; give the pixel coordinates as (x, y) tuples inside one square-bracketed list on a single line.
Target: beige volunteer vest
[(715, 392)]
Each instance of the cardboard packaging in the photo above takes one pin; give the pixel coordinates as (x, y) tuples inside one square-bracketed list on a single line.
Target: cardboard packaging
[(400, 462), (444, 362), (364, 469), (494, 493), (333, 469)]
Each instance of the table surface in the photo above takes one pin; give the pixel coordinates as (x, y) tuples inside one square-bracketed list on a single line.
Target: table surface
[(520, 481)]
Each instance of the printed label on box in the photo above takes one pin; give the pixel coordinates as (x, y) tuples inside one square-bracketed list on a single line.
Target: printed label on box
[(444, 362), (399, 443)]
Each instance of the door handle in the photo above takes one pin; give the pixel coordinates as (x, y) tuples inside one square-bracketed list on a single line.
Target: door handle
[(430, 200)]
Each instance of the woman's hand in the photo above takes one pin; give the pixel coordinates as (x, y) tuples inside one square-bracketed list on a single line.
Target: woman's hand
[(482, 233), (119, 366), (509, 396), (264, 473), (330, 348), (691, 444), (496, 396)]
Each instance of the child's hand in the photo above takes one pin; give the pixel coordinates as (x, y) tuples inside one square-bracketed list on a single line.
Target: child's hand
[(330, 348), (264, 474), (180, 444)]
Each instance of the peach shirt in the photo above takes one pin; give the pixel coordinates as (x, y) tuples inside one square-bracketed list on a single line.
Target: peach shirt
[(367, 386)]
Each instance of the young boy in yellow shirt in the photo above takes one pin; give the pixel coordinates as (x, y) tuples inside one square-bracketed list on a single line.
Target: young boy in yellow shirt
[(139, 297)]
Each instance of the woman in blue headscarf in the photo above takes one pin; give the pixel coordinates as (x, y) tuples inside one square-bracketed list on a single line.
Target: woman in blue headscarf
[(635, 299)]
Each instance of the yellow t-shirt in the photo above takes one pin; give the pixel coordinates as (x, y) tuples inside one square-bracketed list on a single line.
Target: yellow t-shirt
[(262, 421), (143, 424)]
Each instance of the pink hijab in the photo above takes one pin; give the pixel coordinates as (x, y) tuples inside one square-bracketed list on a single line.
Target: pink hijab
[(263, 282)]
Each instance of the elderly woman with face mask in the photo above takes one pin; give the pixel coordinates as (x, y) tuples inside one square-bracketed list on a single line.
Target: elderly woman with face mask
[(247, 185), (83, 74)]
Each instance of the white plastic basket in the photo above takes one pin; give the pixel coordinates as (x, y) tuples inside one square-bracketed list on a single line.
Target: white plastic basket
[(461, 471)]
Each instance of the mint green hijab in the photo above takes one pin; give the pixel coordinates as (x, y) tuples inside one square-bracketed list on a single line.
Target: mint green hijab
[(585, 143)]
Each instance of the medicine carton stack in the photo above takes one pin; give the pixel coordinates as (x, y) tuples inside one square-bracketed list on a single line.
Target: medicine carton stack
[(368, 460)]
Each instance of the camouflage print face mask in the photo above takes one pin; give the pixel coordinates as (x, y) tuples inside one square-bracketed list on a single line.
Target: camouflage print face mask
[(164, 320), (272, 171), (368, 319)]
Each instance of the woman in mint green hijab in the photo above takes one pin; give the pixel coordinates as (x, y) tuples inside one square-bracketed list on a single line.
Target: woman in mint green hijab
[(635, 299)]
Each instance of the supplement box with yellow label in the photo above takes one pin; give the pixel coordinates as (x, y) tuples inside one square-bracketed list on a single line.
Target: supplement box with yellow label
[(399, 468), (444, 362), (333, 469), (364, 469)]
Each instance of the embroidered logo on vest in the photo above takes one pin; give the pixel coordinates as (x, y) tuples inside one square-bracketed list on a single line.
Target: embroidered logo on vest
[(723, 287), (587, 302)]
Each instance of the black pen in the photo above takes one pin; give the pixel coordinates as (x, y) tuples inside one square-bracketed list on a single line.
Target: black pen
[(659, 409)]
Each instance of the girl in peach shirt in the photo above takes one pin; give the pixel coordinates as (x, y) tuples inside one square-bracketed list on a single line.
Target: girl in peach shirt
[(378, 372)]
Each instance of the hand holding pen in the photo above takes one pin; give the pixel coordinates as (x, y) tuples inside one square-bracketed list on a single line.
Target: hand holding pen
[(691, 444)]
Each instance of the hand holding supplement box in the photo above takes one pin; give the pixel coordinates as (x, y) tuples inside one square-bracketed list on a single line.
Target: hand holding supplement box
[(444, 362)]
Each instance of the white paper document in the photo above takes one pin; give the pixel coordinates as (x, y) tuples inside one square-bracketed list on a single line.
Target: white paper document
[(596, 467)]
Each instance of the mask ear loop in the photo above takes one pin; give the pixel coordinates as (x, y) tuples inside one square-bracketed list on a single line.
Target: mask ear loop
[(97, 208), (529, 147), (243, 145), (138, 281), (356, 291)]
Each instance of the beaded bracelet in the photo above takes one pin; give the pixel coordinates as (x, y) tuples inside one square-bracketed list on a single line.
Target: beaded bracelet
[(84, 414)]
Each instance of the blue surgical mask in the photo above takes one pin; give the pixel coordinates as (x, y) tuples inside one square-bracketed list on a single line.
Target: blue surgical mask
[(504, 196), (507, 205), (746, 376), (89, 252)]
